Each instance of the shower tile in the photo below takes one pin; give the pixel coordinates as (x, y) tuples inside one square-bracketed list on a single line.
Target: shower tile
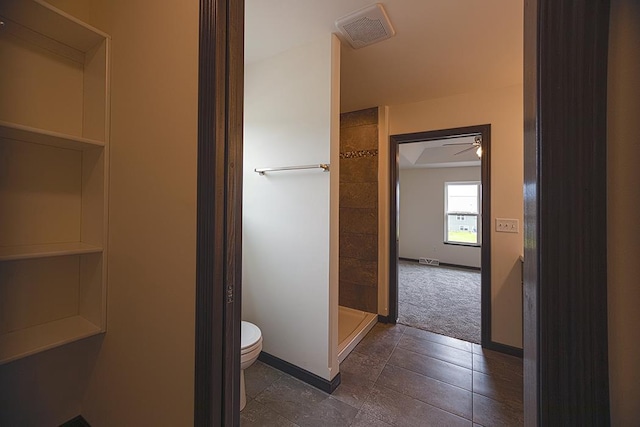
[(436, 350), (359, 195), (357, 138), (437, 393), (359, 169), (431, 367), (354, 220), (353, 295), (368, 116), (257, 415), (362, 272), (359, 246)]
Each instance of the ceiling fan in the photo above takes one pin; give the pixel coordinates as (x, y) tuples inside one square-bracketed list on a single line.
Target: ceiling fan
[(476, 144)]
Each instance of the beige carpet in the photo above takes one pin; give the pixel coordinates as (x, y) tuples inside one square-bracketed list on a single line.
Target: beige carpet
[(440, 299)]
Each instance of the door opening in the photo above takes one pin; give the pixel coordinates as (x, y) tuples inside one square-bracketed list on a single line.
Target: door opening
[(479, 137)]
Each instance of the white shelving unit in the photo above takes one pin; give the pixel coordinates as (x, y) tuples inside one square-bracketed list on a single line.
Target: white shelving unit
[(54, 154)]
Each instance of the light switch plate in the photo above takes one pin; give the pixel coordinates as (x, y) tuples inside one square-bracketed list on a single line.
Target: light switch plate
[(507, 225)]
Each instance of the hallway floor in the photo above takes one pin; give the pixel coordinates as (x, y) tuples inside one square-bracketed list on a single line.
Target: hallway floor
[(397, 376)]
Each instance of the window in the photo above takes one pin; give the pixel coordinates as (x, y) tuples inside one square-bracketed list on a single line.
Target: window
[(462, 213)]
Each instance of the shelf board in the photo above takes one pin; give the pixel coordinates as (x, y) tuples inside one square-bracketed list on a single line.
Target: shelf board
[(52, 24), (12, 253), (40, 136), (25, 342)]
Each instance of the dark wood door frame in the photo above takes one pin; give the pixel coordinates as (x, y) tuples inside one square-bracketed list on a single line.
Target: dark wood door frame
[(565, 275), (394, 171), (219, 213)]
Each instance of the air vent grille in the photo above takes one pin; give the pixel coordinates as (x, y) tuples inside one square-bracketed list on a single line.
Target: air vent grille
[(365, 26)]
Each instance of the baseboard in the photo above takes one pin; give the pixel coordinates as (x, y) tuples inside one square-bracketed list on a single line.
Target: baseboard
[(386, 319), (78, 421), (299, 373), (464, 267), (503, 348), (444, 264)]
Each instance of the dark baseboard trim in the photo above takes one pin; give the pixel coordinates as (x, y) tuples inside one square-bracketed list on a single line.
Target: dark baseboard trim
[(444, 264), (503, 348), (464, 267), (78, 421), (299, 373), (385, 319)]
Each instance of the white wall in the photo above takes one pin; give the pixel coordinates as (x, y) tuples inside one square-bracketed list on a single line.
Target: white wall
[(623, 193), (422, 215), (502, 108), (290, 119)]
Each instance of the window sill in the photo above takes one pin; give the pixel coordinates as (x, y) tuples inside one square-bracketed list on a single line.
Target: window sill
[(472, 245)]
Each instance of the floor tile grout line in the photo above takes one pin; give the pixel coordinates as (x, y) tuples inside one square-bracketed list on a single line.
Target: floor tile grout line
[(431, 378), (438, 358), (439, 342), (429, 404)]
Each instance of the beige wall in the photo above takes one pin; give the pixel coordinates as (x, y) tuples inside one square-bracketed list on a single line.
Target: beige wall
[(502, 109), (422, 220), (141, 372), (623, 193)]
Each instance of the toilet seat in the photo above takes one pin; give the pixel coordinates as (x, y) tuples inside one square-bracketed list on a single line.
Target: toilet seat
[(250, 337)]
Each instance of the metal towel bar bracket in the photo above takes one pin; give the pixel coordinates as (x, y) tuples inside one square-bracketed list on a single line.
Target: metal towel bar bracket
[(323, 166)]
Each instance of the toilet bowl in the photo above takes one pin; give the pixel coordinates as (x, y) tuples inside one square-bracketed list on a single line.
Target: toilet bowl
[(251, 346)]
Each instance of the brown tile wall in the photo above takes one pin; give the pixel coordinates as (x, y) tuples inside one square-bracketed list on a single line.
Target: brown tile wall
[(359, 210)]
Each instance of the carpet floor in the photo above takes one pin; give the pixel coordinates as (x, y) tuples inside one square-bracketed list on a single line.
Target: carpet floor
[(440, 299)]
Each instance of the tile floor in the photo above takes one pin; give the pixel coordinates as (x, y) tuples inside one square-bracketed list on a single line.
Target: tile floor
[(397, 376)]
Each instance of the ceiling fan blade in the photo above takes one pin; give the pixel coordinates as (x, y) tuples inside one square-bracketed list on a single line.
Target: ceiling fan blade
[(457, 143), (465, 150)]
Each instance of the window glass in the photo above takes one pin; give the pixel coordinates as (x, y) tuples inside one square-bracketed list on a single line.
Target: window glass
[(462, 210)]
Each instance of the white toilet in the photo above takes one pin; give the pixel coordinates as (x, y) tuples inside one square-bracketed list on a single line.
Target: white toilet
[(251, 346)]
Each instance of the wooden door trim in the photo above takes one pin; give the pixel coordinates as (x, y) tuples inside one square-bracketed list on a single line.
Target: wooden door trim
[(394, 182), (219, 213), (565, 275)]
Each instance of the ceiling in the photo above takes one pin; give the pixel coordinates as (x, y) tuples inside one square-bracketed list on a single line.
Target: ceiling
[(441, 47), (439, 153)]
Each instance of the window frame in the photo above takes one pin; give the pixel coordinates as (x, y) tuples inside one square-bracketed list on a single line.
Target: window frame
[(477, 215)]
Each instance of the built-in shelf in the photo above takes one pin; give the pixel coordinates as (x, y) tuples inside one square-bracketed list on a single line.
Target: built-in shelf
[(59, 83), (51, 25), (19, 132), (11, 253), (28, 341)]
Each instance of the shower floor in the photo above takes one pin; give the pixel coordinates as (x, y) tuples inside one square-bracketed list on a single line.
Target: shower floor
[(353, 325)]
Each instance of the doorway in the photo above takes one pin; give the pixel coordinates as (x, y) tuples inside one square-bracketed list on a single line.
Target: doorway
[(483, 132)]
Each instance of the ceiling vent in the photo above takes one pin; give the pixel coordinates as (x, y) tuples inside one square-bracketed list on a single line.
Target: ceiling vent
[(365, 26)]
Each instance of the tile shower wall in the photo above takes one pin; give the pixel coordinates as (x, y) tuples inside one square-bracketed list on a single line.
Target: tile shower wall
[(359, 210)]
